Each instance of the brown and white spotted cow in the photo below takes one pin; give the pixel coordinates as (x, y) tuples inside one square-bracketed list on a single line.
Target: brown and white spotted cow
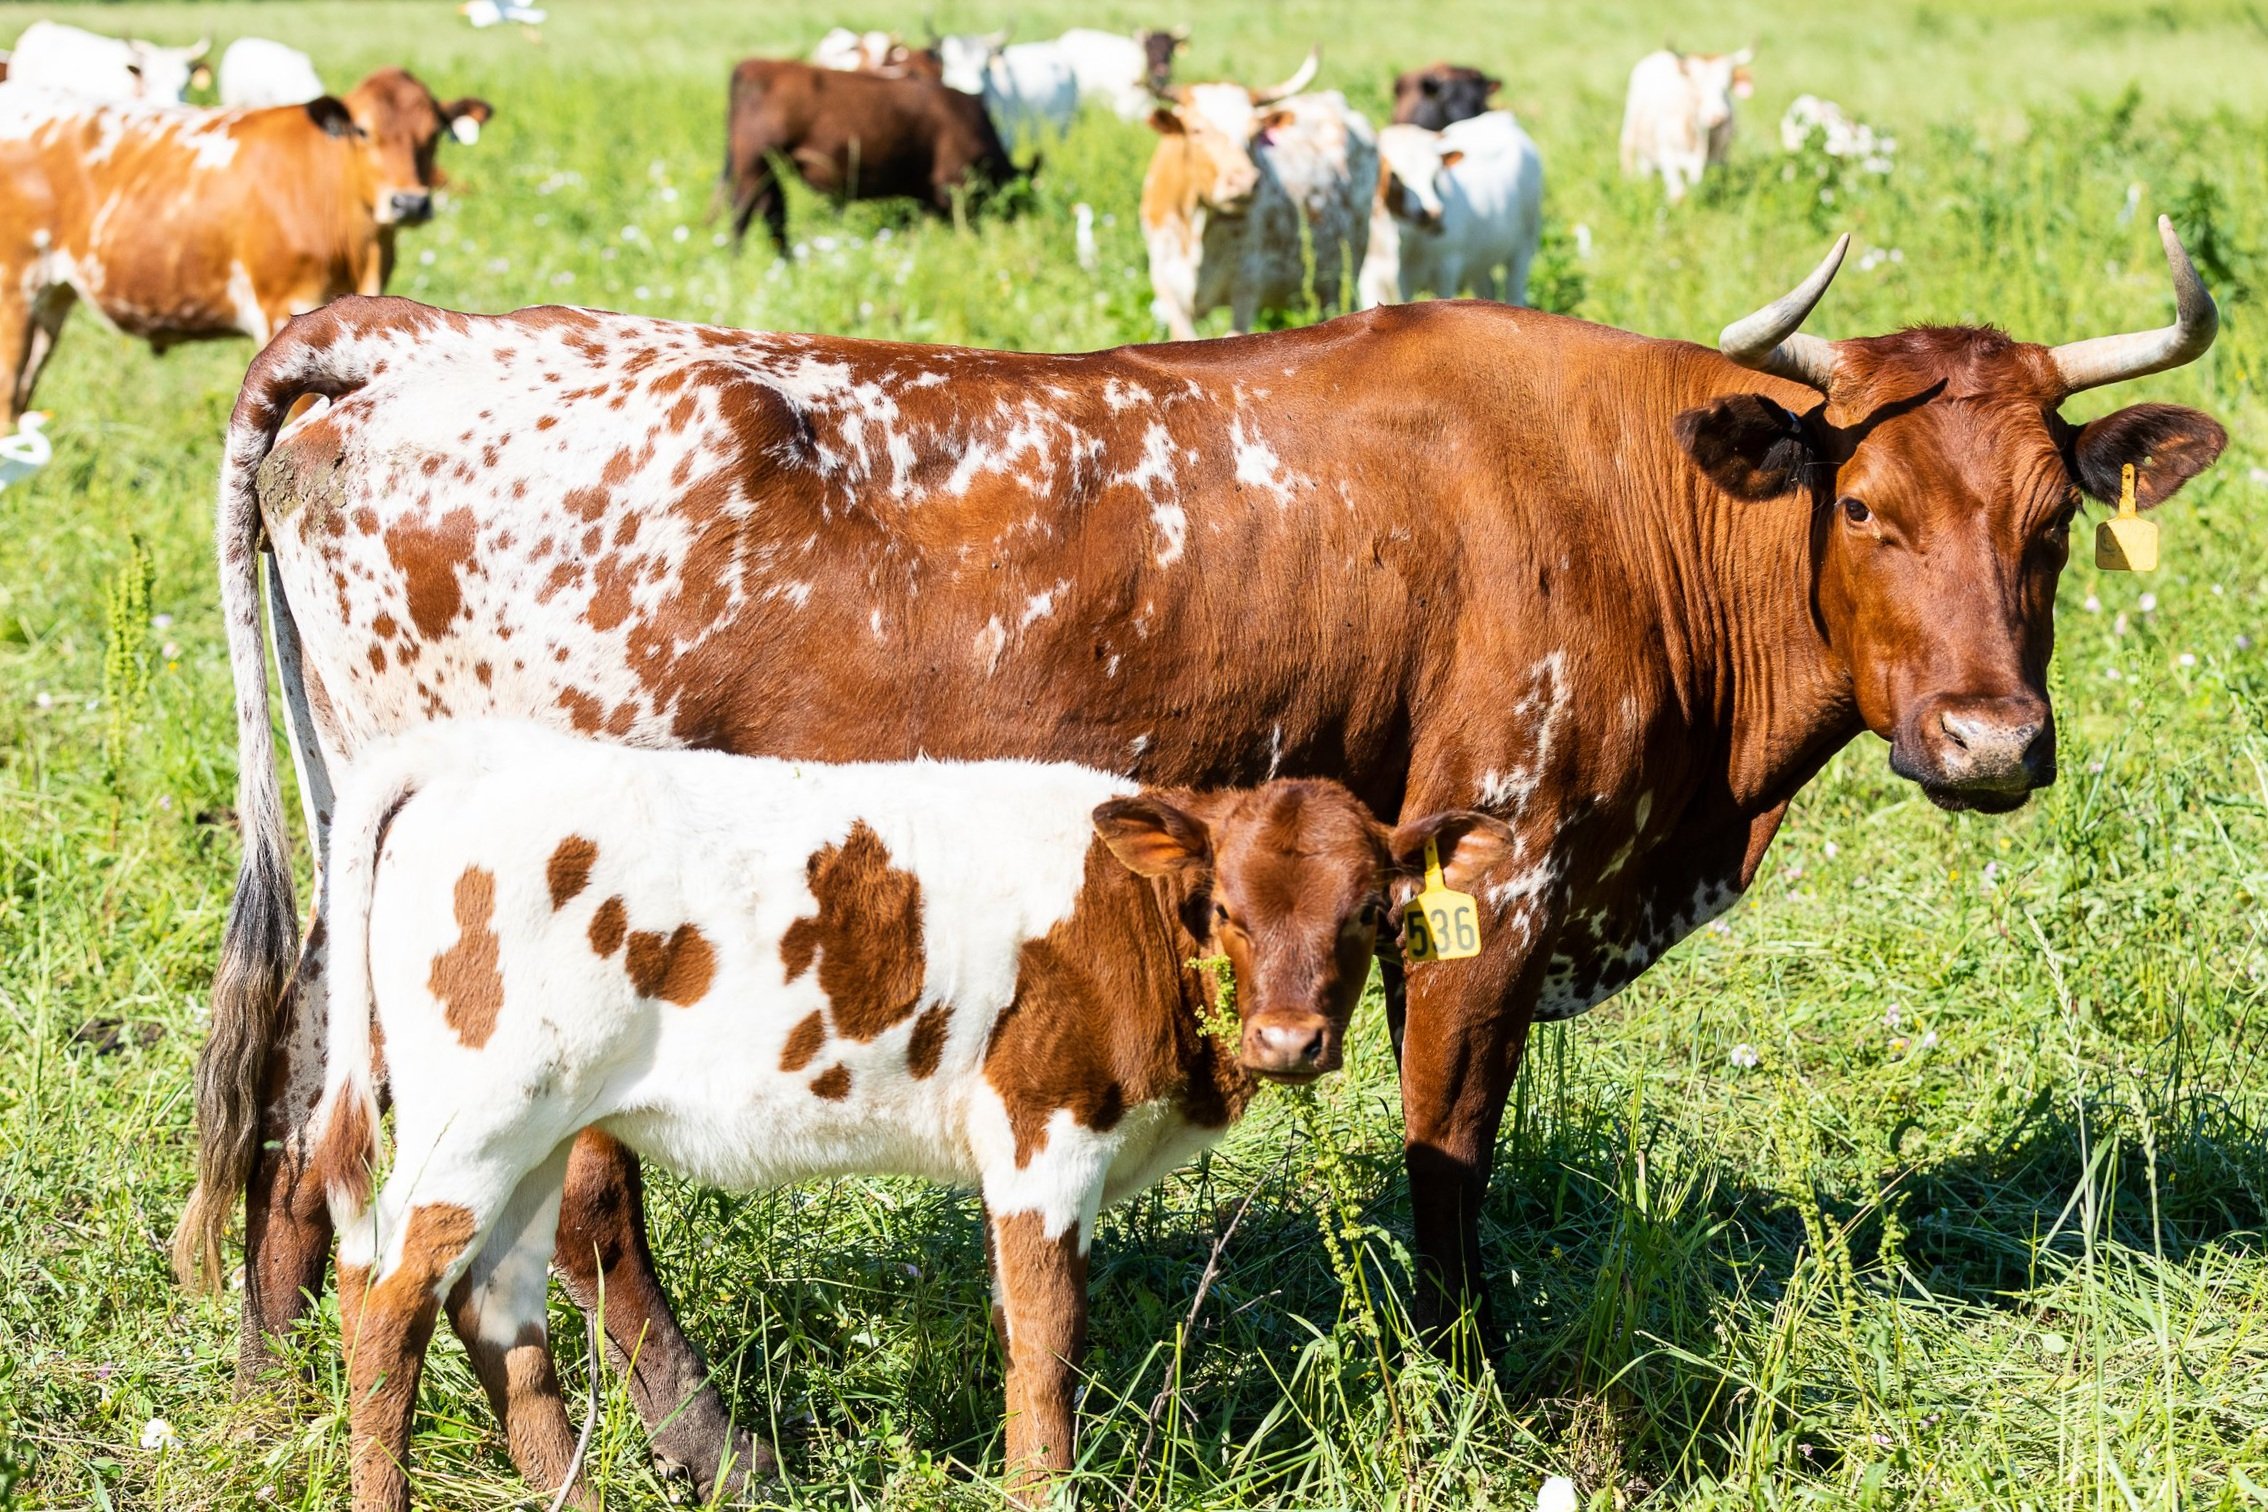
[(180, 224), (761, 971), (1627, 594)]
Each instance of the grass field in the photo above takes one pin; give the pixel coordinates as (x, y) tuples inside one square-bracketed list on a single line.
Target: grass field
[(1981, 1225)]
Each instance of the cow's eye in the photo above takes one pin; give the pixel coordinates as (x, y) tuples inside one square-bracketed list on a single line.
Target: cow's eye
[(1855, 511), (2059, 524), (1220, 913)]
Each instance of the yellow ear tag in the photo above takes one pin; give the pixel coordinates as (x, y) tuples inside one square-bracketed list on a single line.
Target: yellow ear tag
[(1441, 923), (2127, 542)]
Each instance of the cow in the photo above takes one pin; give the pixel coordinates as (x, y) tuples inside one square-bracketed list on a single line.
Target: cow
[(56, 56), (1440, 93), (854, 136), (256, 72), (1628, 595), (1460, 209), (761, 971), (1677, 119), (875, 52), (1124, 73), (1029, 89), (180, 224), (1255, 198)]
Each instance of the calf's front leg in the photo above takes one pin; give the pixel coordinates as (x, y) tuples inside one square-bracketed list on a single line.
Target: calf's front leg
[(1039, 1288)]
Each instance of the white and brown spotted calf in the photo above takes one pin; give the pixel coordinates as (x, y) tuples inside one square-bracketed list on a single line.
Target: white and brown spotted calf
[(760, 971)]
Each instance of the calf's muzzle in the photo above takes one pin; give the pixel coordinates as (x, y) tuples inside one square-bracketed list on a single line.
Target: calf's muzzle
[(1290, 1047)]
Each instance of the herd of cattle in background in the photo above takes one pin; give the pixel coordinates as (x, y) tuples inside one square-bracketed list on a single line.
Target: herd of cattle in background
[(1585, 677), (167, 219)]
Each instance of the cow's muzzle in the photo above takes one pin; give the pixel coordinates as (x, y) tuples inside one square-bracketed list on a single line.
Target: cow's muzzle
[(413, 209), (1977, 753), (1290, 1047)]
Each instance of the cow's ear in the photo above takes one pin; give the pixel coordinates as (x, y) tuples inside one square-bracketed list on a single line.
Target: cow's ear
[(1468, 842), (1166, 122), (1452, 157), (466, 117), (2167, 443), (1152, 838), (1489, 86), (1276, 120), (1748, 446), (330, 113)]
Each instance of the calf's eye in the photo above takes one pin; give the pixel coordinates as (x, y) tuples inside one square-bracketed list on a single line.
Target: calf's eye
[(1855, 511)]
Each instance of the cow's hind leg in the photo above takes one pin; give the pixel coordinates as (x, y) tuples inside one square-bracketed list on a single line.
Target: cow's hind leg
[(287, 1226), (603, 1252), (756, 191), (47, 314), (497, 1309)]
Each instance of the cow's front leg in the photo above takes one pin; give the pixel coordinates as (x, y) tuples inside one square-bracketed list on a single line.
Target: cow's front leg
[(1465, 1029), (602, 1253), (1039, 1288)]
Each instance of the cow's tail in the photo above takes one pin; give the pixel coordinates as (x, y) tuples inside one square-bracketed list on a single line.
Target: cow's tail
[(313, 354), (344, 1126)]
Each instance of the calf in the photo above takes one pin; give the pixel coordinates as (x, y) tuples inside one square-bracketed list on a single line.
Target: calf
[(1440, 93), (853, 136), (1678, 116), (1125, 73), (104, 68), (1458, 209), (256, 72), (1027, 89), (763, 971), (1255, 199), (180, 224)]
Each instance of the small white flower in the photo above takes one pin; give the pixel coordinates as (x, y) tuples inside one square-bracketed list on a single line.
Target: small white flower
[(1830, 850), (170, 650), (2217, 590), (165, 802), (1557, 1494), (427, 258), (158, 1434), (2092, 604), (2118, 626), (2095, 768), (2244, 643), (2185, 660), (1744, 1055), (630, 233), (641, 292), (680, 233), (1891, 1016), (2112, 673), (45, 700), (2147, 603), (1991, 872), (1929, 1039), (161, 622)]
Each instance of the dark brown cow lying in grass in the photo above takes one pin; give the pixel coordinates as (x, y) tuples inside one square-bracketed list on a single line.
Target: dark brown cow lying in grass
[(760, 972), (855, 136), (1627, 595)]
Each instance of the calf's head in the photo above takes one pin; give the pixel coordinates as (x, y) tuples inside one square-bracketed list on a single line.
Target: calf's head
[(1211, 133), (1434, 96), (1411, 161), (1291, 881), (1943, 484), (166, 73), (1717, 79), (395, 125), (1158, 48)]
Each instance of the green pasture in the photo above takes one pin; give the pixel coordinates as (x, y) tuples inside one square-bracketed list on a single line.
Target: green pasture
[(1982, 1224)]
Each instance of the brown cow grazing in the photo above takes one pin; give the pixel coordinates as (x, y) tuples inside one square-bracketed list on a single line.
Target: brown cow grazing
[(1439, 93), (181, 224), (1627, 595), (854, 136)]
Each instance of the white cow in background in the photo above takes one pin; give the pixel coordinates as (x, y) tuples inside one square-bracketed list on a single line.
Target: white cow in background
[(1027, 88), (1124, 72), (1459, 209), (94, 67), (1678, 116), (255, 73)]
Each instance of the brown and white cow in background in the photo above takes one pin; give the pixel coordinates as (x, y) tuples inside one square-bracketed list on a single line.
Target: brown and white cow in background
[(1248, 192), (880, 53), (758, 972), (1628, 595), (178, 224), (95, 67), (1677, 119)]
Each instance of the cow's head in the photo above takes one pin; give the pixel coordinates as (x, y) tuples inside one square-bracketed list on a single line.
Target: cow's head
[(1213, 129), (1717, 79), (1158, 48), (395, 125), (1411, 161), (1943, 485), (1440, 93), (1291, 881), (962, 61), (165, 73)]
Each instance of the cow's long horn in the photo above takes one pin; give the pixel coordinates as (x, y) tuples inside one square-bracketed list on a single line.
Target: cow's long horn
[(1770, 341), (1295, 83), (2111, 359)]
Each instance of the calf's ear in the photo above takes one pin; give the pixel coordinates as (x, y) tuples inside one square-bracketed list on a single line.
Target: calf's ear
[(1469, 843), (1152, 838), (1166, 122), (2167, 443), (1748, 446), (330, 113)]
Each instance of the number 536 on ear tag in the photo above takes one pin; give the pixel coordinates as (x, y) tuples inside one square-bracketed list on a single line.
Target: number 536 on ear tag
[(2127, 542), (1440, 924)]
